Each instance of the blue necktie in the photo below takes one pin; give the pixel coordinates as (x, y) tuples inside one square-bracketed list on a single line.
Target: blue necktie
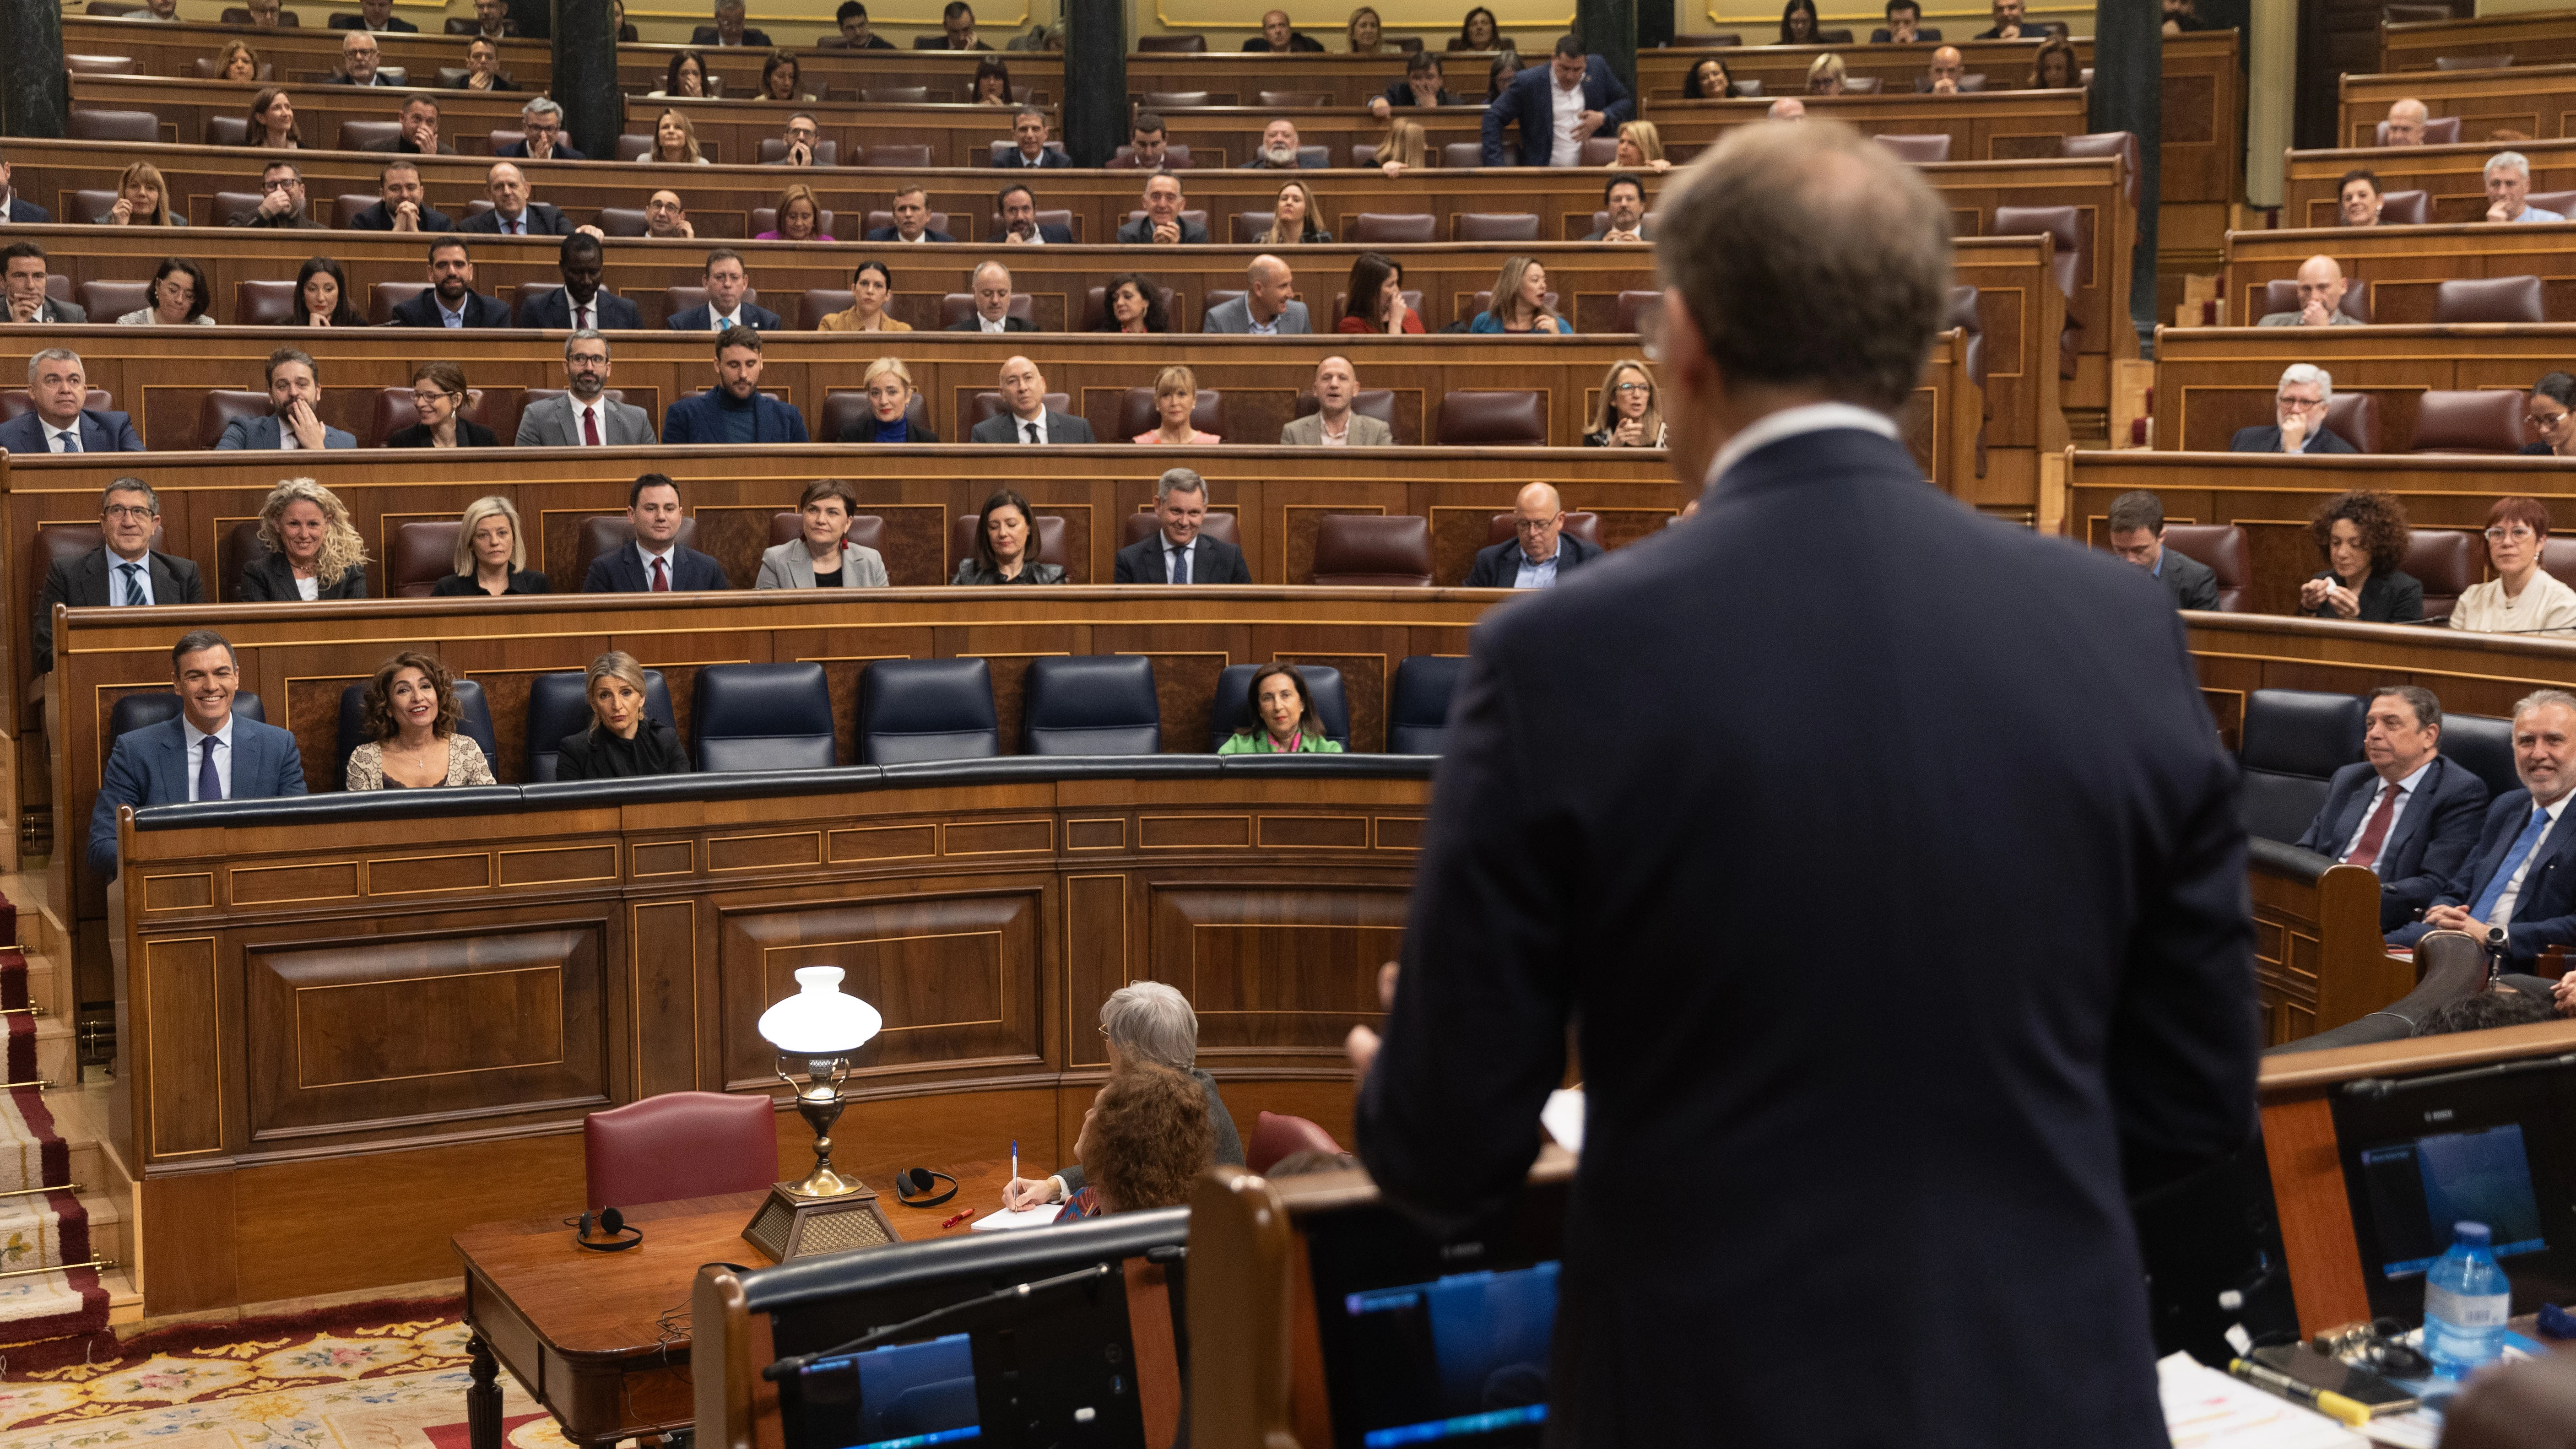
[(133, 582), (70, 441), (2512, 861), (1180, 566), (210, 785)]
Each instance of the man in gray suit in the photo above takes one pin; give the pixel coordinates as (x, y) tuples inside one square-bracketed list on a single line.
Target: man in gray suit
[(1264, 311), (1027, 418), (23, 266), (585, 416), (1334, 424), (294, 392)]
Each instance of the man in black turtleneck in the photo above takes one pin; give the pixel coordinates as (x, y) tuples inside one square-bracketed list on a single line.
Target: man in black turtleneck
[(734, 410)]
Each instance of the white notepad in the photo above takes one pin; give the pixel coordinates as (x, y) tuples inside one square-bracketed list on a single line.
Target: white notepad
[(1003, 1219), (2208, 1409)]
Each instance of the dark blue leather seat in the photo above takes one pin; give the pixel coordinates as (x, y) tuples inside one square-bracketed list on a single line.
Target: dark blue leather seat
[(1092, 704), (764, 717), (1232, 708), (2294, 741), (557, 707), (1417, 707), (911, 710), (134, 711), (2482, 745), (474, 720)]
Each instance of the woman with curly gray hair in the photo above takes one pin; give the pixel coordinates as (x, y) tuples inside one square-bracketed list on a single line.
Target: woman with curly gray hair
[(312, 551), (1144, 1021)]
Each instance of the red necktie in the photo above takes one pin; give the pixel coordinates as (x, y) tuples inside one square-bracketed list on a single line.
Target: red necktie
[(581, 317), (590, 437), (2375, 834), (661, 579)]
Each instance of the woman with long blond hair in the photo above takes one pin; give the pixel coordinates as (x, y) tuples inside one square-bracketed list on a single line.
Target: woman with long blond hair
[(1520, 302), (1641, 148), (1295, 221), (312, 551), (1404, 144), (143, 199), (675, 140), (1626, 416)]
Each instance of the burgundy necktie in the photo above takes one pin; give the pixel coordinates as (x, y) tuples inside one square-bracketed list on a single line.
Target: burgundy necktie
[(2375, 834), (581, 317), (590, 437), (661, 579)]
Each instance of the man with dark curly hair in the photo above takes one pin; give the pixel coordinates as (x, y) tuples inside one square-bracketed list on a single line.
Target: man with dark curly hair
[(1143, 1142)]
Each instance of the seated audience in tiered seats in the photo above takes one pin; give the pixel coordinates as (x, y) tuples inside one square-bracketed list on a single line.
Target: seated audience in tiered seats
[(2508, 176), (797, 139), (2404, 811), (375, 15), (1131, 302), (1266, 309), (800, 216), (236, 61), (1025, 417), (2321, 289), (1520, 301), (271, 119), (990, 283), (1143, 1143), (581, 302), (656, 562), (1278, 148), (2359, 198), (1148, 149), (871, 287), (1367, 34), (2517, 876), (58, 385), (1624, 198), (1020, 225), (322, 297), (1006, 544), (2054, 67), (675, 141), (402, 204), (2362, 536), (911, 225), (1826, 74), (1295, 219), (1284, 718), (684, 79), (782, 78), (2523, 597), (1277, 37), (2546, 413), (125, 572), (728, 29), (359, 57), (419, 133), (585, 416), (855, 32), (483, 67), (1162, 224), (1029, 151), (294, 392), (491, 554), (311, 550), (2405, 122), (438, 393), (492, 20), (204, 752), (451, 301), (1798, 24), (2300, 406), (1640, 148), (1334, 424), (14, 207), (177, 298), (623, 741), (1405, 144), (1376, 298), (23, 272), (2137, 528), (1942, 73), (890, 392), (282, 203), (727, 281), (1627, 416), (1479, 32), (1421, 86), (735, 410), (1530, 102), (957, 27), (1177, 552), (1787, 108), (2486, 1011), (541, 124), (666, 218), (514, 212), (1539, 552), (411, 713), (1151, 1023), (1708, 81), (2008, 22), (823, 556), (142, 199), (1904, 25)]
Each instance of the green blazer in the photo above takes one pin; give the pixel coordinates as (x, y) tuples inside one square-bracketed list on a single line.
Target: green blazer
[(1257, 742)]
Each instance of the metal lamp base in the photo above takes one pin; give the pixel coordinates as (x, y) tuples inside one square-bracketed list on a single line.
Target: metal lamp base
[(794, 1223)]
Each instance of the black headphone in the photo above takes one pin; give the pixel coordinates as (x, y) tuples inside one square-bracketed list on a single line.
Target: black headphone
[(913, 1184), (606, 1220)]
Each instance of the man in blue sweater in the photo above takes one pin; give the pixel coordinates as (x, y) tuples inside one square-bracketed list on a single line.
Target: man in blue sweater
[(734, 411)]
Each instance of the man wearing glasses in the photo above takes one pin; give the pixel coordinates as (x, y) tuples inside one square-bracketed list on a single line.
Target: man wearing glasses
[(1538, 553), (541, 122), (281, 201), (2301, 406), (127, 571)]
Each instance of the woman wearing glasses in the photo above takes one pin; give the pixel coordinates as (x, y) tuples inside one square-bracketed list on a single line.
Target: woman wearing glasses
[(2546, 411), (2523, 597), (1627, 416), (438, 391)]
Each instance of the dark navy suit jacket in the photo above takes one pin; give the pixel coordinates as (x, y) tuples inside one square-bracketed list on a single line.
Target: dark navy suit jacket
[(1499, 564), (518, 151), (2544, 914), (100, 432), (150, 766), (2267, 439), (701, 318), (553, 308), (480, 311), (622, 572), (2423, 850), (27, 212), (540, 218), (1525, 100), (1211, 562), (2071, 873), (694, 419)]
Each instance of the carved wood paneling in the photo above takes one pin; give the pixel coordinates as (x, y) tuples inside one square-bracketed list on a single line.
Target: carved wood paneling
[(184, 1107), (1274, 968), (662, 996)]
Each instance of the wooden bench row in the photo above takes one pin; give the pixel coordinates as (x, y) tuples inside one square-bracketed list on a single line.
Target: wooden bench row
[(2210, 381), (2539, 101), (2531, 37), (2454, 177), (2402, 267)]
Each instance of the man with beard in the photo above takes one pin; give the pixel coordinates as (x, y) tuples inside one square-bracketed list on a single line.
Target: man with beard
[(402, 204), (585, 416), (294, 392), (1278, 148), (451, 300), (734, 410)]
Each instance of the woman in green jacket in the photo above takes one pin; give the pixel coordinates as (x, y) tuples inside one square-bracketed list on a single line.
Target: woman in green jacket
[(1283, 714)]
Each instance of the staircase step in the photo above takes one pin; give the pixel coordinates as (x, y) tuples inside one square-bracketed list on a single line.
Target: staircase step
[(124, 1300), (106, 1228), (57, 1051)]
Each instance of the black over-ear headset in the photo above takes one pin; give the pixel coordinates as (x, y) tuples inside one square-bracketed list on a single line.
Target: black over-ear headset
[(609, 1221), (912, 1187)]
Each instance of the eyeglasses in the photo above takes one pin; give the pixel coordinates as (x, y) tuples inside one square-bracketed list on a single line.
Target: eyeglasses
[(2302, 403), (2546, 421), (2519, 533), (426, 396), (281, 183), (129, 512), (1633, 386)]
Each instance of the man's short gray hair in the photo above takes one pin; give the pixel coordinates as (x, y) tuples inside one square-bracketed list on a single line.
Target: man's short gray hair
[(2508, 161), (52, 354), (587, 334), (151, 499), (2426, 704), (2541, 697), (1179, 480), (2300, 374), (541, 106), (1809, 256), (1152, 1022), (2135, 510)]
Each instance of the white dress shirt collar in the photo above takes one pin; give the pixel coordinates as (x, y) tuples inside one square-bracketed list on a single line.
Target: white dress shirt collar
[(52, 432), (1020, 427), (195, 739)]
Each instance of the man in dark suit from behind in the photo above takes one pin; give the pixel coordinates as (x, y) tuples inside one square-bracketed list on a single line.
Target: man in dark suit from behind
[(1539, 554), (656, 562), (124, 571), (451, 301), (1177, 552), (2521, 873), (61, 421), (2073, 880), (1528, 101), (580, 260), (206, 752), (2405, 811), (2137, 528), (729, 29), (24, 213), (2300, 409)]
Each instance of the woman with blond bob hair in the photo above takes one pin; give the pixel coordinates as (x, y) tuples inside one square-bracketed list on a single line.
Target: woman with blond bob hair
[(1627, 416), (1825, 75), (411, 711), (311, 550), (675, 141), (1519, 301), (1295, 220), (1176, 395), (1641, 148), (142, 199), (888, 419), (623, 740), (491, 554)]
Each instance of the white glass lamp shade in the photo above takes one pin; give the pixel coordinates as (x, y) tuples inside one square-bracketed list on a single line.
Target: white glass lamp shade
[(820, 1020)]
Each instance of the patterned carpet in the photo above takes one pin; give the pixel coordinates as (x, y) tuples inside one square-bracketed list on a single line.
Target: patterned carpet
[(368, 1376)]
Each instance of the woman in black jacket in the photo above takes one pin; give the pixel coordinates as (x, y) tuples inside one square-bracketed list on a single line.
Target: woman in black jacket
[(439, 393), (313, 552), (2363, 537), (622, 741)]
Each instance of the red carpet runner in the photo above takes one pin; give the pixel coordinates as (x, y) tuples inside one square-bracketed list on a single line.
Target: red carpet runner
[(45, 1318)]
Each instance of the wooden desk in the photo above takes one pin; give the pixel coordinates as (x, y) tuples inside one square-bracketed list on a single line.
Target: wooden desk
[(2454, 175), (2533, 37), (2537, 100), (296, 52), (2212, 380), (2403, 265)]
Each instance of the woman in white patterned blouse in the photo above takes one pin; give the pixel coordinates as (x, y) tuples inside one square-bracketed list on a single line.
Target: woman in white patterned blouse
[(411, 712)]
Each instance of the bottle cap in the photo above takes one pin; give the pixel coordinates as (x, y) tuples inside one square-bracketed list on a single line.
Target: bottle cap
[(2471, 1235)]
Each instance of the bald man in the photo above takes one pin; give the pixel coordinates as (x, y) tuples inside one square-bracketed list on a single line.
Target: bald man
[(1942, 76), (2406, 123), (2321, 289), (1788, 108), (1266, 309), (1539, 549)]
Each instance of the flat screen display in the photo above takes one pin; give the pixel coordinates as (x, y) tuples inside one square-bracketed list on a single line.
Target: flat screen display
[(902, 1397), (2419, 1189)]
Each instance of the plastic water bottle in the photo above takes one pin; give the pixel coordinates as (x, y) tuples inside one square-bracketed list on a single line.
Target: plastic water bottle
[(2466, 1301)]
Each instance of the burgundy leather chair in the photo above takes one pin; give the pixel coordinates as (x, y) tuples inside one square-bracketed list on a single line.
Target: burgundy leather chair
[(1402, 226), (622, 221), (1493, 418), (989, 405), (774, 148), (2491, 299), (765, 218), (1066, 219), (235, 204), (605, 533), (356, 135), (395, 412), (2222, 547), (894, 95), (1462, 155), (2438, 131), (2281, 294), (205, 67), (1095, 302), (2562, 202), (1191, 44), (1215, 297), (107, 301), (2123, 144), (1583, 525), (938, 219), (913, 156), (961, 540), (1140, 524), (2064, 225), (1176, 156), (2405, 208), (1275, 1137), (1370, 550), (819, 303), (91, 208), (2498, 60), (15, 403), (346, 206), (840, 409), (1375, 402), (1176, 101), (2354, 417), (2557, 555), (424, 551), (2443, 560), (1249, 227), (384, 297), (1917, 149), (1281, 100), (2481, 420), (90, 125), (1496, 226), (1598, 151), (219, 406), (1137, 413), (679, 1144), (956, 307), (1601, 222)]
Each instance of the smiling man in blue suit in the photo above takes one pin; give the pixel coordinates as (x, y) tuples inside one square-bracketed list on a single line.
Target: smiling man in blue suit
[(206, 753), (1558, 106), (2406, 812), (2521, 874)]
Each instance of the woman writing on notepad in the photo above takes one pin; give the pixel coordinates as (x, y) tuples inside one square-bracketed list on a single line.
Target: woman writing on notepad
[(1144, 1139), (1144, 1022)]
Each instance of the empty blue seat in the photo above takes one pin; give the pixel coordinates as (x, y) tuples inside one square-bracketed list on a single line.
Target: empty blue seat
[(764, 717), (134, 711), (1092, 705), (474, 719), (912, 710), (2293, 742), (1232, 708), (557, 707), (1417, 707)]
